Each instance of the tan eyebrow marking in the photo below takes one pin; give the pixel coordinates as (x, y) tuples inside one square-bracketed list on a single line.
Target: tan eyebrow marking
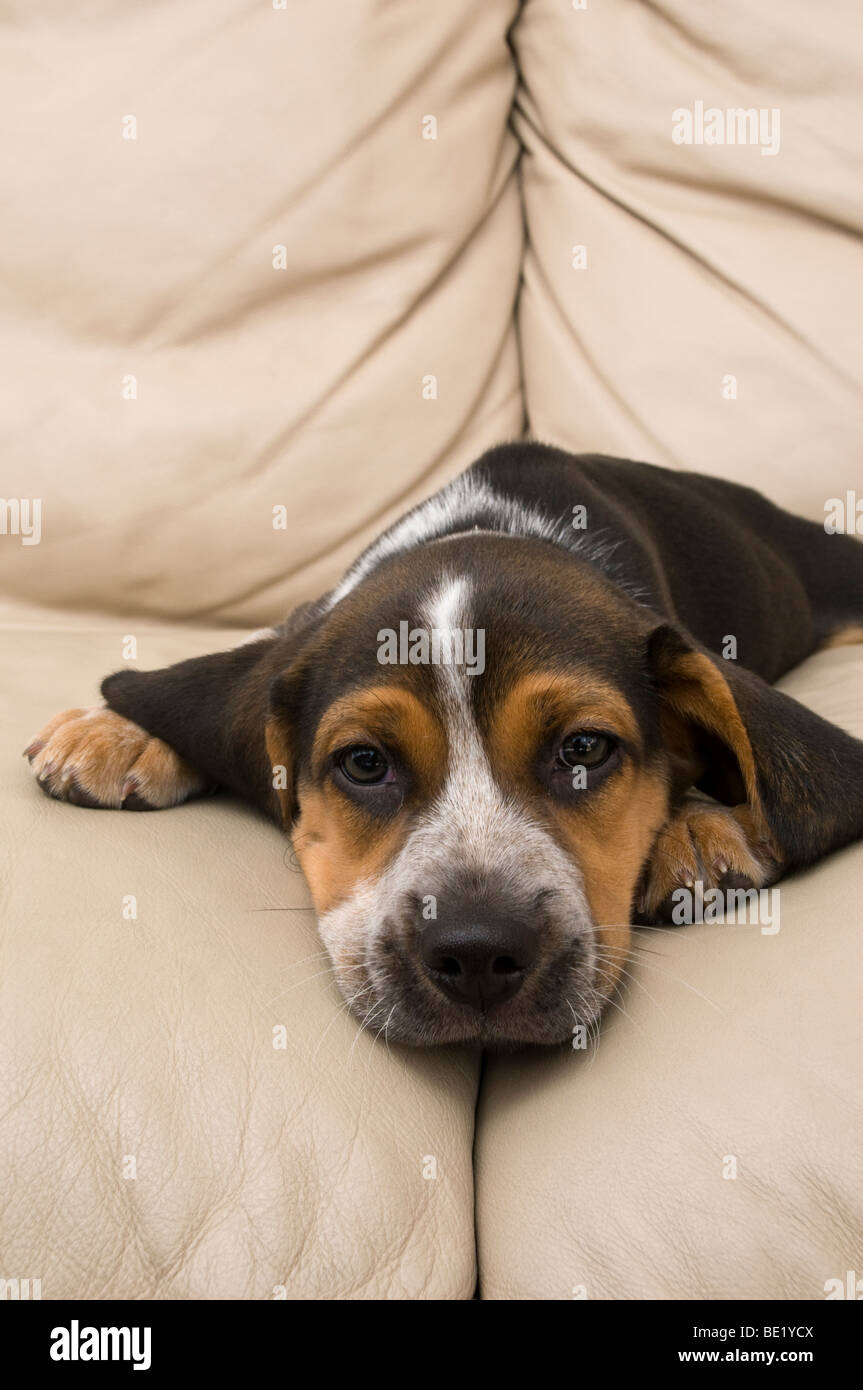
[(391, 715), (543, 699)]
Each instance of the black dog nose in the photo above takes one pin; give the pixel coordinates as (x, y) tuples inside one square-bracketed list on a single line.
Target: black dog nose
[(479, 963)]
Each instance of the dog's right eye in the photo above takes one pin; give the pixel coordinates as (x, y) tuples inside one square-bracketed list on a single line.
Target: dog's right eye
[(364, 765), (585, 749)]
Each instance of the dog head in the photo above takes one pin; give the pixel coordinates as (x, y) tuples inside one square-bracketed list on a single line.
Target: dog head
[(476, 767)]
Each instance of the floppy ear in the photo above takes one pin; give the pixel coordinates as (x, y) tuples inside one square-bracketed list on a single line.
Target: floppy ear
[(800, 776), (215, 712)]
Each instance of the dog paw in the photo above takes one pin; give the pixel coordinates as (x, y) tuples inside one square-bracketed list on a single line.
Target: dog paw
[(716, 846), (97, 758)]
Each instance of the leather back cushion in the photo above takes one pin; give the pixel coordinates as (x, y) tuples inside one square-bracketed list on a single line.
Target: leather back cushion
[(704, 261), (274, 264)]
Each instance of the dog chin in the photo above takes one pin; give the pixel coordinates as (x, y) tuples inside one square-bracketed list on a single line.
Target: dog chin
[(414, 1018), (494, 1031)]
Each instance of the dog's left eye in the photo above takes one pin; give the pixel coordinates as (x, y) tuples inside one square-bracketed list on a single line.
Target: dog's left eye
[(363, 765), (585, 749)]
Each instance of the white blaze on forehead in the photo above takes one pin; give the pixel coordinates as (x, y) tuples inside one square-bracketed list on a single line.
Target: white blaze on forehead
[(448, 610), (448, 607), (472, 823), (471, 811), (471, 815)]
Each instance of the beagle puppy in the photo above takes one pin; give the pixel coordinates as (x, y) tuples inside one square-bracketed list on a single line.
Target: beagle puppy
[(530, 712)]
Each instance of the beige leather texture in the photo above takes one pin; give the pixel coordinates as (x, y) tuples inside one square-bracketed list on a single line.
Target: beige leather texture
[(704, 262), (158, 1141), (276, 265), (605, 1173)]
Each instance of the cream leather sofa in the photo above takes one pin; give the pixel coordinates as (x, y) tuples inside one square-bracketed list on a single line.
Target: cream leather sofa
[(259, 257)]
